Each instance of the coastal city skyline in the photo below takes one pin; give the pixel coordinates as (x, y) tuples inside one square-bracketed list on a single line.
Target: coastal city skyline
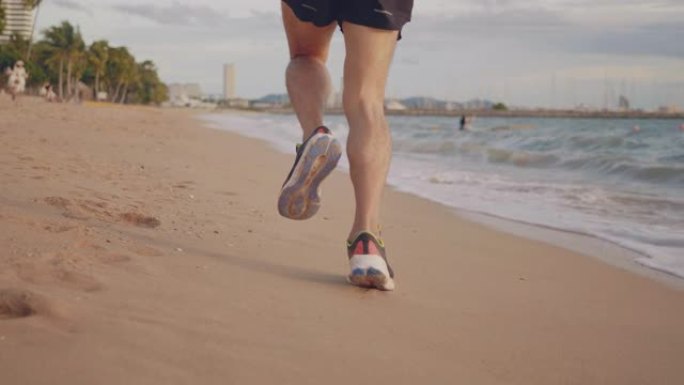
[(556, 54)]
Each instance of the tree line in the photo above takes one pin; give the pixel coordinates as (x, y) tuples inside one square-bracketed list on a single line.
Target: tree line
[(63, 59)]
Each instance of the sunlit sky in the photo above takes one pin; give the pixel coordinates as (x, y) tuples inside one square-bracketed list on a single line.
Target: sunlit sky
[(524, 52)]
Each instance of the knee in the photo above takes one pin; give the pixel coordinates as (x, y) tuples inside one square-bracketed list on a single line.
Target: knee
[(369, 140), (307, 54), (305, 63), (364, 109)]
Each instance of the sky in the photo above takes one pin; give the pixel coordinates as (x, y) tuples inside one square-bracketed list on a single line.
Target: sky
[(534, 53)]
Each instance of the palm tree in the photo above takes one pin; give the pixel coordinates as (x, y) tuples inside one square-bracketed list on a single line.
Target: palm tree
[(98, 55), (66, 46), (121, 72), (149, 89), (79, 66), (56, 43)]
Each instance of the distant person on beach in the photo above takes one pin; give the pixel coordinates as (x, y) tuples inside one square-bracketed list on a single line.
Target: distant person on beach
[(16, 84), (464, 123), (47, 92), (371, 30)]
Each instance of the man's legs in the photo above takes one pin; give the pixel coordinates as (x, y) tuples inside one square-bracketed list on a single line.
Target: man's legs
[(366, 67), (307, 78), (369, 53)]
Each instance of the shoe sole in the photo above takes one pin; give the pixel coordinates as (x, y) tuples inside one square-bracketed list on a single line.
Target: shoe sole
[(372, 279), (300, 197), (370, 271)]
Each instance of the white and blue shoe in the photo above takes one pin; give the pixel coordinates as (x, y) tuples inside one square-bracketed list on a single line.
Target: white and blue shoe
[(300, 196)]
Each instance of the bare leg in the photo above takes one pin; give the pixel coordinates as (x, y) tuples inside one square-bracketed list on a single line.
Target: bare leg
[(307, 78), (366, 67), (308, 85)]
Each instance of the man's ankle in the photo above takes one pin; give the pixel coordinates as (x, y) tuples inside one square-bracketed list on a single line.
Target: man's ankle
[(375, 230)]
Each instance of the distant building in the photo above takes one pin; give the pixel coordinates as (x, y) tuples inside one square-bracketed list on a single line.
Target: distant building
[(452, 106), (237, 103), (184, 94), (334, 100), (478, 104), (394, 105), (669, 109), (623, 103), (18, 19), (229, 81), (423, 103), (190, 90), (273, 100), (261, 105)]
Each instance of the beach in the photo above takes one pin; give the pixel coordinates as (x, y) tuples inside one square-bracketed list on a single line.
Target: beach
[(140, 246)]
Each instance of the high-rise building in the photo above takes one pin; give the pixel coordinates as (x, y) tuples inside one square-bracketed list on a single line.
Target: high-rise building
[(623, 103), (18, 19), (229, 81)]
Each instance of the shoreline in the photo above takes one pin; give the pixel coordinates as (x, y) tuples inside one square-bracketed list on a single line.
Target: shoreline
[(140, 246), (532, 113), (589, 246), (605, 250)]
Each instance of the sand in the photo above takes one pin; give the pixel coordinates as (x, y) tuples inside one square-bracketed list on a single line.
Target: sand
[(139, 247)]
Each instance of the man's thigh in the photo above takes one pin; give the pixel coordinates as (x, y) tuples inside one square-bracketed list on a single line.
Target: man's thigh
[(368, 58), (305, 36)]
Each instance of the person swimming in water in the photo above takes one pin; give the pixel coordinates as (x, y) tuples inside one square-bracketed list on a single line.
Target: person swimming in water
[(464, 123)]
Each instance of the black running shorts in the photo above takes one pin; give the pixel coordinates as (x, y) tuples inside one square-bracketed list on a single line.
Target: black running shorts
[(382, 14)]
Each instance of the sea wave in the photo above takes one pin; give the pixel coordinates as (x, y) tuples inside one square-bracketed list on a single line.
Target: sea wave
[(621, 155)]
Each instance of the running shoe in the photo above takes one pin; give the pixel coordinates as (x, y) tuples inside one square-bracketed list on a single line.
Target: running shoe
[(368, 263), (300, 196)]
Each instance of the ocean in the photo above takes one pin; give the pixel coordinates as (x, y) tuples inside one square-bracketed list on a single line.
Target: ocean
[(597, 177)]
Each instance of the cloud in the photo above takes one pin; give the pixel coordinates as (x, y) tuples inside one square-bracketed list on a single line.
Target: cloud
[(175, 14), (649, 40), (74, 6), (548, 31)]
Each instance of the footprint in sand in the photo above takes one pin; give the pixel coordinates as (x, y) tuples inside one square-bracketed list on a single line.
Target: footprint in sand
[(76, 280), (114, 258), (227, 193), (58, 228), (140, 220), (47, 273), (58, 202), (94, 207), (184, 184), (16, 303), (70, 209), (85, 209), (146, 251)]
